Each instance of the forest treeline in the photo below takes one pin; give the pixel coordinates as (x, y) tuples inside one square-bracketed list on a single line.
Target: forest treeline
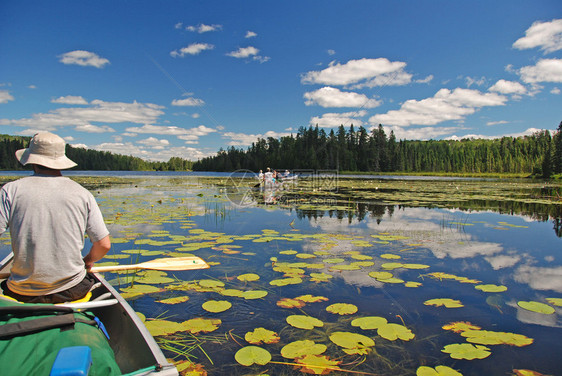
[(347, 149), (89, 159)]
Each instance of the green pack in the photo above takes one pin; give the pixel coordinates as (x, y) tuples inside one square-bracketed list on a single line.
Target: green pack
[(33, 334)]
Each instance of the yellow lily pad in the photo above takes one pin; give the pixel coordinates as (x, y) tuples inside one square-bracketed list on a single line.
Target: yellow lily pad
[(466, 351), (290, 303), (252, 355), (254, 294), (393, 332), (216, 306), (445, 302), (437, 371), (486, 337), (491, 288), (262, 335), (286, 281), (342, 309), (312, 299), (369, 322), (555, 301), (248, 277), (460, 326), (536, 307), (390, 256), (379, 276), (298, 349), (304, 322), (317, 364), (198, 325), (176, 300), (358, 343)]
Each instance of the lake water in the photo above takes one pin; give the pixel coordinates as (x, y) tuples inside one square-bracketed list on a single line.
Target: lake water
[(390, 261)]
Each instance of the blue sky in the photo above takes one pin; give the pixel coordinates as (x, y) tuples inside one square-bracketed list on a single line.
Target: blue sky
[(157, 79)]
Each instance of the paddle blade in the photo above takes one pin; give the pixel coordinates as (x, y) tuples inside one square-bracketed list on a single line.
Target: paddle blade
[(175, 263), (172, 263)]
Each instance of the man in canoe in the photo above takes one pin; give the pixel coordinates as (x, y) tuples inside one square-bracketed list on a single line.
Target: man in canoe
[(48, 215)]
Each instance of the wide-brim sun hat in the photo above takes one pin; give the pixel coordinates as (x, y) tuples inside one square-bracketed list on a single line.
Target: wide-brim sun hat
[(45, 149)]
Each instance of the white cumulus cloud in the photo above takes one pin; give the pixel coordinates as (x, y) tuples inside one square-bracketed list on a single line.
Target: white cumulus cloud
[(190, 102), (508, 87), (202, 28), (5, 96), (368, 72), (546, 35), (333, 97), (89, 128), (546, 70), (445, 105), (333, 120), (192, 49), (83, 58), (70, 99)]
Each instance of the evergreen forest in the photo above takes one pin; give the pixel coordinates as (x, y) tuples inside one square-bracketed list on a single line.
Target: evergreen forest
[(347, 149), (87, 159)]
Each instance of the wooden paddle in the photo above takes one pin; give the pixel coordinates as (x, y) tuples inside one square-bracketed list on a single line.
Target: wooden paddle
[(171, 263), (167, 263)]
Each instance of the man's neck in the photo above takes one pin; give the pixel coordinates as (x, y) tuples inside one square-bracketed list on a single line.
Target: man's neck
[(46, 171)]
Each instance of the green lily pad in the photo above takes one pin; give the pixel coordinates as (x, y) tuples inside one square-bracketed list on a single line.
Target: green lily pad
[(342, 308), (415, 266), (491, 288), (334, 260), (390, 256), (286, 281), (216, 306), (437, 371), (352, 341), (163, 327), (198, 325), (345, 267), (392, 265), (393, 332), (249, 277), (466, 351), (252, 355), (486, 337), (210, 283), (446, 302), (369, 322), (311, 299), (176, 300), (555, 301), (536, 307), (298, 349), (254, 294), (379, 276), (261, 335), (304, 322)]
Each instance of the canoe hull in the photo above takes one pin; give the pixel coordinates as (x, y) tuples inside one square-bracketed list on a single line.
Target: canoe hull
[(136, 351)]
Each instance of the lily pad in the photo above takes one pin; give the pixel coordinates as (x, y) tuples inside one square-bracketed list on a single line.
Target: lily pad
[(536, 307), (393, 332), (249, 277), (254, 294), (252, 355), (491, 288), (437, 371), (486, 337), (352, 341), (261, 335), (446, 302), (290, 303), (379, 276), (304, 322), (369, 322), (298, 349), (311, 299), (216, 306), (317, 364), (555, 301), (460, 326), (163, 327), (198, 325), (286, 281), (342, 308), (466, 351), (176, 300)]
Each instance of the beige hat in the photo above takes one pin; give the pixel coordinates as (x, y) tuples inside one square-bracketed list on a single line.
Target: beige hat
[(45, 149)]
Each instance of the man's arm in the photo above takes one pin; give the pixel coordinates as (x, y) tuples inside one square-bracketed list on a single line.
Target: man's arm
[(98, 250)]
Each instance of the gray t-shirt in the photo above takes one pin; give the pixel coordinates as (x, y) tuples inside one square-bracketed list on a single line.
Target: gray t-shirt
[(48, 217)]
